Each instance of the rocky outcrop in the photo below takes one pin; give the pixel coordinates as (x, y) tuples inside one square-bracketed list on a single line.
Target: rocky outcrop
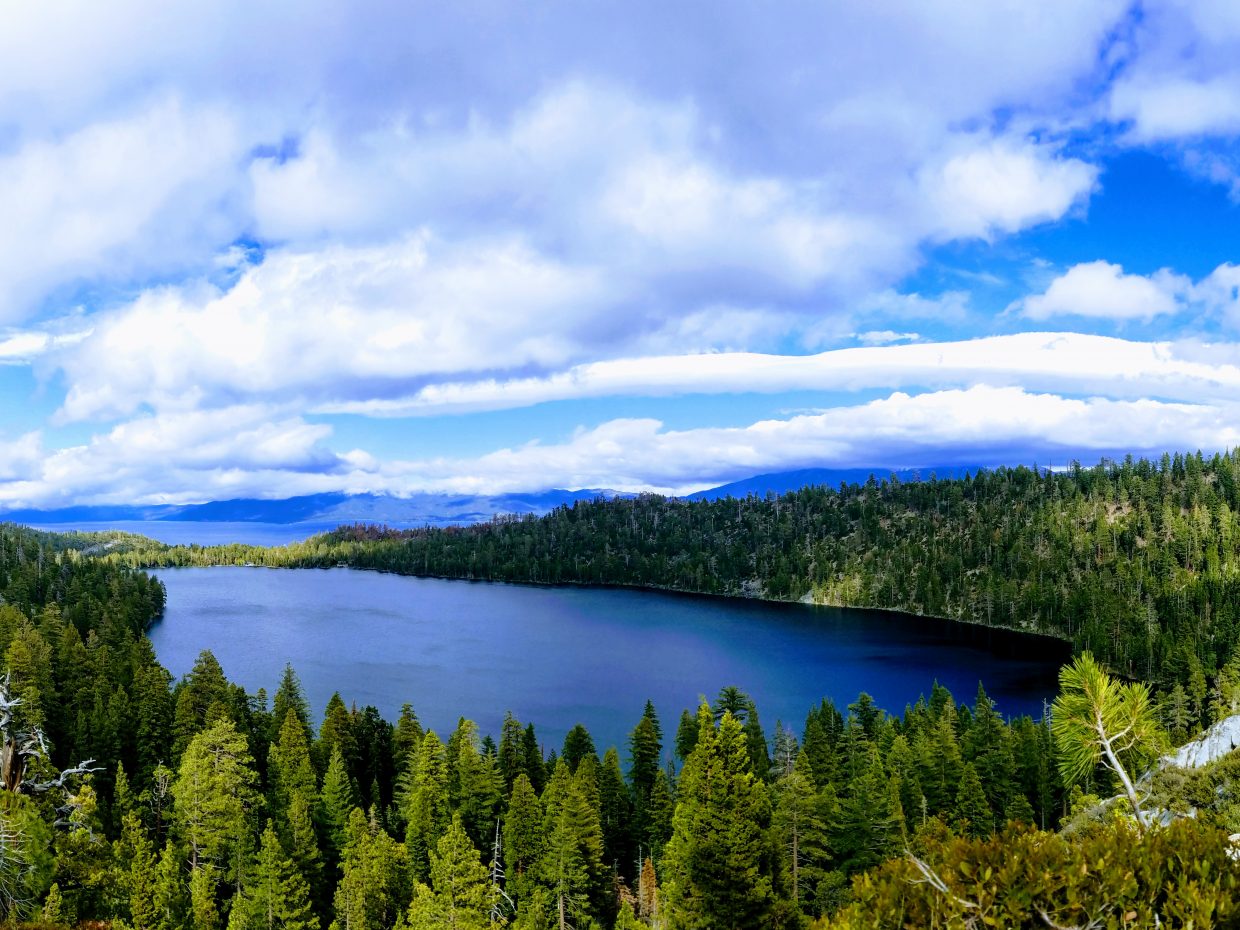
[(1210, 746)]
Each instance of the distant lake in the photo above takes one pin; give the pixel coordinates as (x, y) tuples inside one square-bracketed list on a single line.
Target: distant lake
[(559, 656), (202, 533)]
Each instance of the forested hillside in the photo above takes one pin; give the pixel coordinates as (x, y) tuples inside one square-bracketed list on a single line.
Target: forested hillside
[(1138, 561)]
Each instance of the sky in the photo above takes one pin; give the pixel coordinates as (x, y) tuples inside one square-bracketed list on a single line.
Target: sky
[(263, 250)]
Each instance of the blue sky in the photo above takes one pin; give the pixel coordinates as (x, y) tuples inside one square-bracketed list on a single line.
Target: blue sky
[(487, 247)]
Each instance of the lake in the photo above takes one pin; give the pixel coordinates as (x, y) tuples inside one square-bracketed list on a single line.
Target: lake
[(559, 656)]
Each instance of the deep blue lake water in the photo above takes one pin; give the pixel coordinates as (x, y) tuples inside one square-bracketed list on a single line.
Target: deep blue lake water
[(559, 656)]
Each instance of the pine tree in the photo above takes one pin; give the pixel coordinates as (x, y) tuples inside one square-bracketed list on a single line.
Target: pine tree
[(511, 753), (687, 733), (461, 894), (289, 769), (406, 739), (577, 745), (627, 920), (802, 834), (972, 811), (215, 796), (291, 697), (336, 732), (375, 883), (276, 896), (522, 827), (718, 873), (478, 785), (615, 811), (337, 803), (427, 813), (169, 894), (534, 764)]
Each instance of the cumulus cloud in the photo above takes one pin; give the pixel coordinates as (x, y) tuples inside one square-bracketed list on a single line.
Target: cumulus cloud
[(1003, 186), (246, 450), (1101, 289)]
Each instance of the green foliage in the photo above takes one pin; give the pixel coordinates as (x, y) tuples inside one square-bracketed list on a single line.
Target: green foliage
[(1096, 720), (717, 863), (1113, 877), (460, 896)]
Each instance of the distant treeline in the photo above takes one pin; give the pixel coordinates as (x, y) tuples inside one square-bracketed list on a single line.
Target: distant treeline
[(1137, 561)]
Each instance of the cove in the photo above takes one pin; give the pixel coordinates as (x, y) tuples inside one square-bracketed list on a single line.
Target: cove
[(556, 656)]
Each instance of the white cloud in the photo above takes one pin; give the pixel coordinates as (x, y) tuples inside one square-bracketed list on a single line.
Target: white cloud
[(981, 424), (248, 451), (338, 319), (1101, 290), (239, 451), (1056, 362), (1004, 186), (117, 200)]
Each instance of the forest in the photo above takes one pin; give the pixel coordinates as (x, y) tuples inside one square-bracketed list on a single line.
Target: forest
[(138, 801)]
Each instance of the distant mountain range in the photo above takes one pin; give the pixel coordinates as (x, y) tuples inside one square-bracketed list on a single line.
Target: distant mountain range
[(432, 509)]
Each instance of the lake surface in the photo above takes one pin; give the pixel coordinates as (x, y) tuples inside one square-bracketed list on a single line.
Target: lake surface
[(559, 656)]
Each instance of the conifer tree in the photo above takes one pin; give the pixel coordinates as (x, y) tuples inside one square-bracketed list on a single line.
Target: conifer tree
[(289, 769), (616, 812), (718, 873), (535, 767), (290, 697), (522, 827), (460, 896), (406, 739), (337, 803), (276, 896), (972, 812), (577, 745), (215, 795), (427, 812), (798, 825), (511, 752), (375, 883), (170, 894)]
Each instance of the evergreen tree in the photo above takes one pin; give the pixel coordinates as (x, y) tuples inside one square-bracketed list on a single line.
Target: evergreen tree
[(718, 873), (461, 895), (615, 811), (798, 825), (337, 804), (289, 769), (972, 811), (276, 895), (577, 745), (534, 764), (216, 795), (375, 883), (511, 753), (427, 813), (290, 698)]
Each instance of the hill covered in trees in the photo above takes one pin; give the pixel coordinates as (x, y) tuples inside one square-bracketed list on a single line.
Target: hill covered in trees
[(1136, 561)]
